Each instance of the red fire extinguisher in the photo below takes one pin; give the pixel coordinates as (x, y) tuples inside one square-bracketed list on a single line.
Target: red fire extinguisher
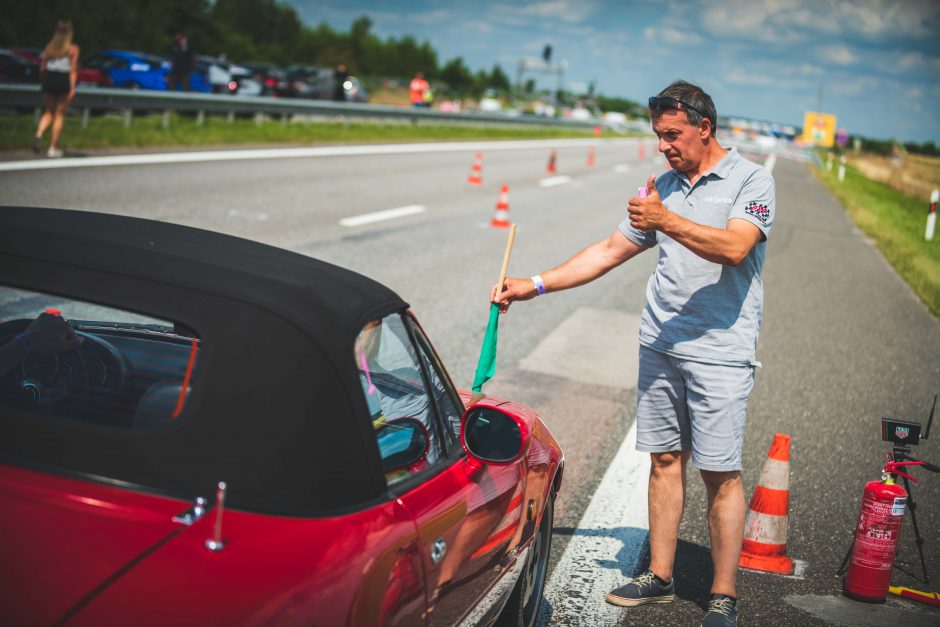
[(876, 536)]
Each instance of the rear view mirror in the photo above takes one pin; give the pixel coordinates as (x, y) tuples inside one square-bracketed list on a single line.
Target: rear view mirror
[(402, 443), (494, 436)]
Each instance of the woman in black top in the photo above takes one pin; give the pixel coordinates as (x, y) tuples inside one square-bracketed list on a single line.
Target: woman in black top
[(59, 72)]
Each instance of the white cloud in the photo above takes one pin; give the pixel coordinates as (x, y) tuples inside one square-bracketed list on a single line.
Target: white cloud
[(775, 21), (569, 11), (440, 16), (839, 54), (671, 36), (743, 77)]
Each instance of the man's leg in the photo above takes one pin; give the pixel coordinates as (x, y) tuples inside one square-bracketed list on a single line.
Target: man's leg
[(666, 504), (662, 430), (726, 526)]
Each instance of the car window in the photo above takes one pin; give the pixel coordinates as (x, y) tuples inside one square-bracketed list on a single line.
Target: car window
[(445, 397), (396, 395), (70, 359)]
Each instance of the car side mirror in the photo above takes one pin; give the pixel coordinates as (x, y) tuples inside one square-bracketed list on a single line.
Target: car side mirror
[(492, 435), (402, 443)]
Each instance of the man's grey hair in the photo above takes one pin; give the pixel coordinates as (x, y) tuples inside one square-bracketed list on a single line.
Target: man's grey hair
[(696, 97)]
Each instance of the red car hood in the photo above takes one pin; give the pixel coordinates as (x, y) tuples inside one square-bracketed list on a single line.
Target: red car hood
[(62, 541)]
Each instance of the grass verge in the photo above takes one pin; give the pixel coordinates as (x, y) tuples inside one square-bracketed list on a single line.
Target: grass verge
[(896, 223), (108, 131)]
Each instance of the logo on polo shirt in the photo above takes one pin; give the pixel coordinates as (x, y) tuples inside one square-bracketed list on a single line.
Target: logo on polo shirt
[(759, 211)]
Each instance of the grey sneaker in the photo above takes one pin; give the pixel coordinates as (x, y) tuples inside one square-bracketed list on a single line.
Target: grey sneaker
[(643, 589), (722, 612), (37, 145), (54, 153)]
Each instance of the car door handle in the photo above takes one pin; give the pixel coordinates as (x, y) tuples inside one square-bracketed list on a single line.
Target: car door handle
[(438, 550)]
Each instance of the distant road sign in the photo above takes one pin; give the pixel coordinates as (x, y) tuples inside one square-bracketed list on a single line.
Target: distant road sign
[(819, 129)]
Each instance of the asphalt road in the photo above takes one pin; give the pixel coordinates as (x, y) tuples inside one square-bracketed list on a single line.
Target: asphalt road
[(844, 340)]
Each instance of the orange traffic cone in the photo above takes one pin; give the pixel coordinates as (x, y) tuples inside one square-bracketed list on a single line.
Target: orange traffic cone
[(765, 528), (590, 159), (551, 162), (641, 151), (476, 171), (597, 131), (501, 218)]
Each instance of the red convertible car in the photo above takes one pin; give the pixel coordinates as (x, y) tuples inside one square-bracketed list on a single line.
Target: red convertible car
[(197, 429)]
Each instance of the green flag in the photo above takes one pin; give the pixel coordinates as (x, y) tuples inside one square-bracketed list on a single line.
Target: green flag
[(486, 366)]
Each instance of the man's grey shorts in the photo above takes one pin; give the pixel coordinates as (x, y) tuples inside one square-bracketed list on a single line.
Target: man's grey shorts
[(692, 406)]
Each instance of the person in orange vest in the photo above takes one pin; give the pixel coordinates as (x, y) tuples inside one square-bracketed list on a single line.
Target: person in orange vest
[(417, 89)]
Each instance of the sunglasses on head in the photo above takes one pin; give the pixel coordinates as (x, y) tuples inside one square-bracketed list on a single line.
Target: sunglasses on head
[(668, 102)]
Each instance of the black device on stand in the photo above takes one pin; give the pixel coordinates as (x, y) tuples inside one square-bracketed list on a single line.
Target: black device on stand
[(903, 435)]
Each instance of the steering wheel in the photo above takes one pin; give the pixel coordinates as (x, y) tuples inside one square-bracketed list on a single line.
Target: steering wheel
[(93, 348)]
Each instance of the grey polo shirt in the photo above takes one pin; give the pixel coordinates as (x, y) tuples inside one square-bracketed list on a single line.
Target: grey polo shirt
[(697, 309)]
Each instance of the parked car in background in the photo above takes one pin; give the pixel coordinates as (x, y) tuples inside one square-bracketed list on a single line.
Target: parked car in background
[(87, 76), (272, 78), (247, 436), (310, 81), (15, 69), (247, 84), (217, 73), (138, 70), (129, 70), (354, 90)]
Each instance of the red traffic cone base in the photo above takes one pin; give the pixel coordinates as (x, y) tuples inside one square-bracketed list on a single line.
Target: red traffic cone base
[(765, 528)]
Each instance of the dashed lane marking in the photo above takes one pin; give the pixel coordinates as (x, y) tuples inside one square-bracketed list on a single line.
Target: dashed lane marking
[(554, 180), (378, 216), (623, 167)]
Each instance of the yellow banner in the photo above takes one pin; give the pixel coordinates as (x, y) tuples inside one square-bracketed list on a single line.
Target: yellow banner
[(819, 129)]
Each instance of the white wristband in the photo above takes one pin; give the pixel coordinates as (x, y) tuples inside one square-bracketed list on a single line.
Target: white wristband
[(539, 284)]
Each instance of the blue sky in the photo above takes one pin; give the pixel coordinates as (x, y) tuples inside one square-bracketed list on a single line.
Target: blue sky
[(878, 60)]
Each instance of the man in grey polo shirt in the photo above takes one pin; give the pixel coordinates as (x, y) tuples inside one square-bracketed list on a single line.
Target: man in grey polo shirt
[(710, 215)]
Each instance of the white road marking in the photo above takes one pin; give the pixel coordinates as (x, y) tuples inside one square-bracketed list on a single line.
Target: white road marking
[(771, 162), (598, 346), (606, 547), (289, 153), (554, 180), (799, 571), (378, 216), (623, 167)]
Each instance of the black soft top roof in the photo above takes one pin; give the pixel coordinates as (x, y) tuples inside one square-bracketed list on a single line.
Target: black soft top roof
[(276, 408), (284, 282)]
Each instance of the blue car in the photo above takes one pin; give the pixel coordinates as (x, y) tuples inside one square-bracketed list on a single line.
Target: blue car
[(137, 70)]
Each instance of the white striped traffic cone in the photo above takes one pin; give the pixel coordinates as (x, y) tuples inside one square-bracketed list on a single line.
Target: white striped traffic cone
[(476, 170), (501, 217), (765, 528)]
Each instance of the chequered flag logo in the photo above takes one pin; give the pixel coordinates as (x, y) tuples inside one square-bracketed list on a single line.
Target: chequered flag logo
[(759, 211)]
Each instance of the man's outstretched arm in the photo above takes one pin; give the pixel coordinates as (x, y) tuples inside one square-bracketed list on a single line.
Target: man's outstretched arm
[(588, 264)]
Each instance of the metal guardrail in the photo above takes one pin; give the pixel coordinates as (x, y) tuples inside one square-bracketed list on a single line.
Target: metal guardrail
[(128, 101)]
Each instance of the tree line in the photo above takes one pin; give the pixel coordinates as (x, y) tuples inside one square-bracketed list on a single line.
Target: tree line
[(243, 30)]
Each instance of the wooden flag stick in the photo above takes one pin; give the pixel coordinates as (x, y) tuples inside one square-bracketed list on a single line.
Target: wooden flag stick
[(477, 396), (502, 271)]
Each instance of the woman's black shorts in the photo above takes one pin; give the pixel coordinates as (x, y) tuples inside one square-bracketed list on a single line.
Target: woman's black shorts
[(56, 83)]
